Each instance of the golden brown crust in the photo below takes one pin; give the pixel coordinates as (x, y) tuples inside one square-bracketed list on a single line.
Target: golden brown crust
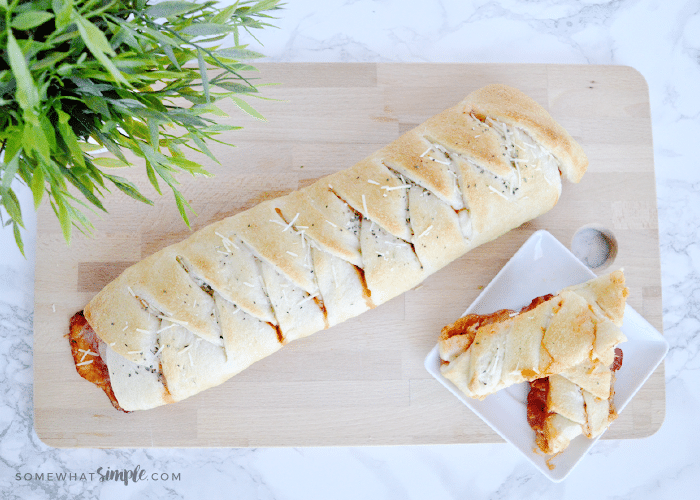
[(608, 296)]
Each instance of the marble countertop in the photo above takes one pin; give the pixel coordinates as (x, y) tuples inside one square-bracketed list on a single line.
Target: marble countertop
[(661, 40)]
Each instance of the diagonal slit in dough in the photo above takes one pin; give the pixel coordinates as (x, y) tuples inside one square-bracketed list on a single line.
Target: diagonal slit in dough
[(497, 172), (489, 105), (263, 230), (215, 256), (193, 308), (430, 169), (489, 351), (318, 214), (246, 338), (342, 287), (410, 185), (374, 191), (298, 314), (391, 265), (501, 186), (438, 234), (190, 365), (125, 376)]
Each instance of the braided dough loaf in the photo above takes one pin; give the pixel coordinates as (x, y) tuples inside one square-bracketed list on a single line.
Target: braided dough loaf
[(196, 313)]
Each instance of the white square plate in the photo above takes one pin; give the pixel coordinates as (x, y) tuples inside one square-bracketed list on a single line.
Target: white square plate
[(543, 265)]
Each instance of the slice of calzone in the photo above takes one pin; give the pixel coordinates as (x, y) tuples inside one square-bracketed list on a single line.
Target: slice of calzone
[(572, 334), (197, 312), (558, 410)]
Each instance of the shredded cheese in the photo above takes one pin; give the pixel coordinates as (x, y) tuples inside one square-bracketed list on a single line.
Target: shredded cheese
[(335, 276), (134, 352), (373, 182), (426, 151), (498, 192), (226, 241), (87, 353), (85, 363), (310, 297), (334, 225), (292, 254), (364, 205), (307, 260), (427, 230), (173, 320), (438, 161), (141, 330), (402, 186), (248, 284), (291, 223), (165, 328)]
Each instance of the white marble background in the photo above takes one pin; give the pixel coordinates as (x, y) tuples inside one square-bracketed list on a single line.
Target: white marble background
[(661, 39)]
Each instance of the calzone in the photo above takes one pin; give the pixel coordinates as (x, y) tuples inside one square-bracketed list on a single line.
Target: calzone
[(195, 313)]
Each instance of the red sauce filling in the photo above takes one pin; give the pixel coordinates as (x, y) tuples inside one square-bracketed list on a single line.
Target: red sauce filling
[(537, 404), (617, 363), (83, 338)]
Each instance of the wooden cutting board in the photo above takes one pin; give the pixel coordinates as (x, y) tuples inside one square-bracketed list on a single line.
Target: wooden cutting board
[(361, 382)]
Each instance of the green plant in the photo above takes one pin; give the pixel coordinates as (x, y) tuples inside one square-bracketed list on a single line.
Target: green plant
[(79, 75)]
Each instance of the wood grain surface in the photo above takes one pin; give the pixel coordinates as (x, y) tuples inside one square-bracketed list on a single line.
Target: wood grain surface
[(361, 382)]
